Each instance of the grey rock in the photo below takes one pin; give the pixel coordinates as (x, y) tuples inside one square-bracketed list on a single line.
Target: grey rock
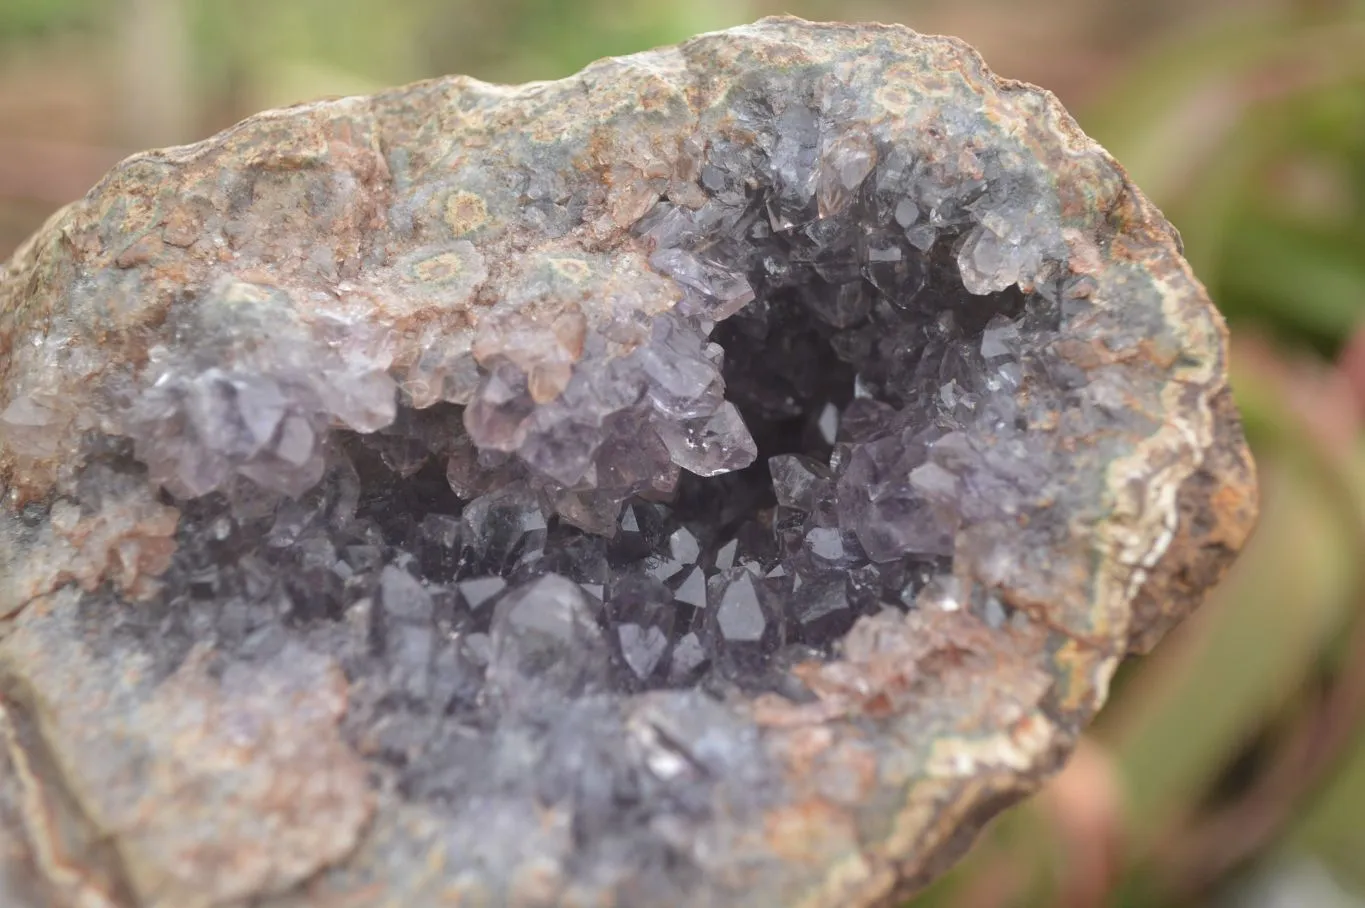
[(654, 487)]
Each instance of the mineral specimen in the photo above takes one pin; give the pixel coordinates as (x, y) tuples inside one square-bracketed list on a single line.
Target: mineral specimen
[(725, 477)]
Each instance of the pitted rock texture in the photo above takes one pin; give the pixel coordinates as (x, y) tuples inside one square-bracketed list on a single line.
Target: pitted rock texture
[(727, 476)]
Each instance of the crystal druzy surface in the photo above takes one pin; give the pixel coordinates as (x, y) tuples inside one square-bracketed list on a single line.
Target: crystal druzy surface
[(725, 477)]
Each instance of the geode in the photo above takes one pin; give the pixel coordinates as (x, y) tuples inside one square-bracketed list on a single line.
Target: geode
[(728, 476)]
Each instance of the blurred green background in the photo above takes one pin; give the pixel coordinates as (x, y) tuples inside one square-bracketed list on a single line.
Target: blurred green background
[(1227, 770)]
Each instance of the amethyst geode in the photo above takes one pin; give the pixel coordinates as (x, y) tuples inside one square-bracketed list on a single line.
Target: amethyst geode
[(725, 477)]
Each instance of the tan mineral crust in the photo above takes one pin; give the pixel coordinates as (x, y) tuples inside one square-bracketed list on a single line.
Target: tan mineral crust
[(728, 476)]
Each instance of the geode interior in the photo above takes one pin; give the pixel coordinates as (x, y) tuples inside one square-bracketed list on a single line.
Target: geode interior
[(601, 433), (705, 497)]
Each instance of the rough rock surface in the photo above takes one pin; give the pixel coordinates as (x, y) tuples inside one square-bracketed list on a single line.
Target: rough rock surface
[(728, 476)]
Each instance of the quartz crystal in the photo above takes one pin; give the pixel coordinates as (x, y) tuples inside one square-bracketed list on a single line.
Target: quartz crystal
[(724, 477)]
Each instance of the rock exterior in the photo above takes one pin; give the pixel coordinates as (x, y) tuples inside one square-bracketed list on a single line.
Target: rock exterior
[(726, 477)]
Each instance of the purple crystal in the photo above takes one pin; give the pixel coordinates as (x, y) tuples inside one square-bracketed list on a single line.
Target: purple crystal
[(689, 658), (479, 592), (739, 615), (502, 526), (545, 639), (402, 597), (710, 445)]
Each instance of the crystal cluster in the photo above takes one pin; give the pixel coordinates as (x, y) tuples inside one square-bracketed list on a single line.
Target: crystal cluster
[(243, 400), (644, 499), (792, 446)]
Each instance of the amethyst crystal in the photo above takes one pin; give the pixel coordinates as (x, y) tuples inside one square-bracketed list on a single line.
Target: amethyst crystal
[(725, 477)]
